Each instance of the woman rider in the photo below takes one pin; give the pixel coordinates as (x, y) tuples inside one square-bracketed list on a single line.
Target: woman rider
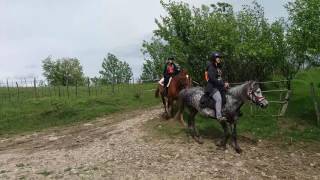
[(216, 85)]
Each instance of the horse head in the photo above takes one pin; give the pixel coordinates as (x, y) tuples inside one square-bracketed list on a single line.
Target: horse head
[(254, 94), (184, 79)]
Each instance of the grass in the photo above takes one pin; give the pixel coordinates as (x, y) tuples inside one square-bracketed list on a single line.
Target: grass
[(28, 114), (299, 123)]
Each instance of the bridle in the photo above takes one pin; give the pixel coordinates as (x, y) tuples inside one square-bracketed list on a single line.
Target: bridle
[(254, 98)]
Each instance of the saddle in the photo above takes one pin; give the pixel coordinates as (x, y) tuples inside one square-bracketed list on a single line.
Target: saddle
[(206, 101)]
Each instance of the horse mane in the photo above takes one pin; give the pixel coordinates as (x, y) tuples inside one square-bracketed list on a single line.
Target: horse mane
[(240, 91)]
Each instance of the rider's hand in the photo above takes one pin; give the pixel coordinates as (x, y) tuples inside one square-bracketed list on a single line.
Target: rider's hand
[(226, 85)]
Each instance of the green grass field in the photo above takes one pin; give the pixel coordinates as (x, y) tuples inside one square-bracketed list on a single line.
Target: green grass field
[(27, 113)]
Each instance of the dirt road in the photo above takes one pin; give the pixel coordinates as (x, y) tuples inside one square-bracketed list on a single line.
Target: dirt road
[(119, 147)]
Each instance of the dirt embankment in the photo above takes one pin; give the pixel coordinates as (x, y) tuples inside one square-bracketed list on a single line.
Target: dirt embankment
[(119, 147)]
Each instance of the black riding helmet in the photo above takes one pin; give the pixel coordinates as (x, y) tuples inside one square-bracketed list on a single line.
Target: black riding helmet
[(215, 55), (170, 59)]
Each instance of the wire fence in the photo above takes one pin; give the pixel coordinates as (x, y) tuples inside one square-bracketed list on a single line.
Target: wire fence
[(278, 94), (18, 90)]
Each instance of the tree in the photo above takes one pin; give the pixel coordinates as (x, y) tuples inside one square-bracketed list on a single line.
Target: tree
[(126, 72), (304, 32), (115, 71), (65, 71), (155, 54), (149, 71), (252, 47)]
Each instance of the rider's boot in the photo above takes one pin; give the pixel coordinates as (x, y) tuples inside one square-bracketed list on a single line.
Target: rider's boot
[(221, 119)]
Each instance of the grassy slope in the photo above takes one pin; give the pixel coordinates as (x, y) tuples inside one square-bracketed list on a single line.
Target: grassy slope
[(30, 114), (301, 113)]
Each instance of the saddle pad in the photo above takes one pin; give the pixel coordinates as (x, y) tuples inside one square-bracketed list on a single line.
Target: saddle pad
[(207, 102)]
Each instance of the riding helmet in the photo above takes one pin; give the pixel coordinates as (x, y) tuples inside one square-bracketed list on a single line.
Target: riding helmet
[(170, 58), (215, 55)]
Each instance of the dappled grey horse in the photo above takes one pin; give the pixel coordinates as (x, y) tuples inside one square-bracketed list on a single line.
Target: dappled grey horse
[(235, 98)]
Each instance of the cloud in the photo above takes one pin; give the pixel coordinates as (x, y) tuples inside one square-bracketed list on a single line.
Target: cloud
[(34, 29)]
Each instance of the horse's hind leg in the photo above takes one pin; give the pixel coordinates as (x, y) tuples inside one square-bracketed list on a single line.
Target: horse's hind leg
[(189, 128), (179, 114), (195, 131), (234, 138), (226, 135), (165, 104)]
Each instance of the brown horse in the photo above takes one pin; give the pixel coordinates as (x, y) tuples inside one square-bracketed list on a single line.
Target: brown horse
[(178, 82)]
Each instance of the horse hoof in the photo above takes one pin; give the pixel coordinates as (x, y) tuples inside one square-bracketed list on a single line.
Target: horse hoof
[(222, 148), (219, 144), (199, 140), (238, 150)]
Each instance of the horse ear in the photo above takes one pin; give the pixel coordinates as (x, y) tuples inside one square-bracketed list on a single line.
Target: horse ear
[(255, 85), (251, 83)]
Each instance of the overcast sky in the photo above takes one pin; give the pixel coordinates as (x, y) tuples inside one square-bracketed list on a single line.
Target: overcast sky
[(87, 29)]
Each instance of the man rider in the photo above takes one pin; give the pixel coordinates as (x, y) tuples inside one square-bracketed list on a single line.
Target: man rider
[(216, 86), (169, 71)]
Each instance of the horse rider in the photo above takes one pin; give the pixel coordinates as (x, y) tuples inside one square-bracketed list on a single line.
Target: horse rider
[(169, 71), (215, 85)]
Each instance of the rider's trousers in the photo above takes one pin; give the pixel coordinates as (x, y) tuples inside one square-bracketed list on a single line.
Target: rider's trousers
[(218, 99)]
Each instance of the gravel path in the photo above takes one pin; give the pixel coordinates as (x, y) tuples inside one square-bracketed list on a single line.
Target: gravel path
[(118, 147)]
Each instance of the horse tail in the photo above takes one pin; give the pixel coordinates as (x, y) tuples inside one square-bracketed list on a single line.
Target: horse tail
[(157, 92)]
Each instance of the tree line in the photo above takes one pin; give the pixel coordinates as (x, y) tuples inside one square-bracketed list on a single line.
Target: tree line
[(253, 47), (69, 71)]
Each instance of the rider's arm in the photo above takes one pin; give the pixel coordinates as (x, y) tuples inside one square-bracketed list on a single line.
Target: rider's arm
[(165, 70)]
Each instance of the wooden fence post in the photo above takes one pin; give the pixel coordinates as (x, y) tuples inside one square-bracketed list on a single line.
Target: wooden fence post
[(113, 81), (96, 89), (49, 88), (59, 89), (18, 90), (67, 83), (54, 91), (35, 87), (315, 101), (89, 87), (76, 88), (9, 96)]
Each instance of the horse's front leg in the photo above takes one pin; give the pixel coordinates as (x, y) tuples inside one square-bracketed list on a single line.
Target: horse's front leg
[(234, 138), (166, 106), (226, 135), (164, 102), (170, 104)]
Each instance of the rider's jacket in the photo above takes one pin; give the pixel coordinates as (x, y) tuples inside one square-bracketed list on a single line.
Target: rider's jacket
[(170, 70), (215, 81)]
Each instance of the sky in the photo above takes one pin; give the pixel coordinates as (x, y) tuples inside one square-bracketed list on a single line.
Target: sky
[(32, 30)]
